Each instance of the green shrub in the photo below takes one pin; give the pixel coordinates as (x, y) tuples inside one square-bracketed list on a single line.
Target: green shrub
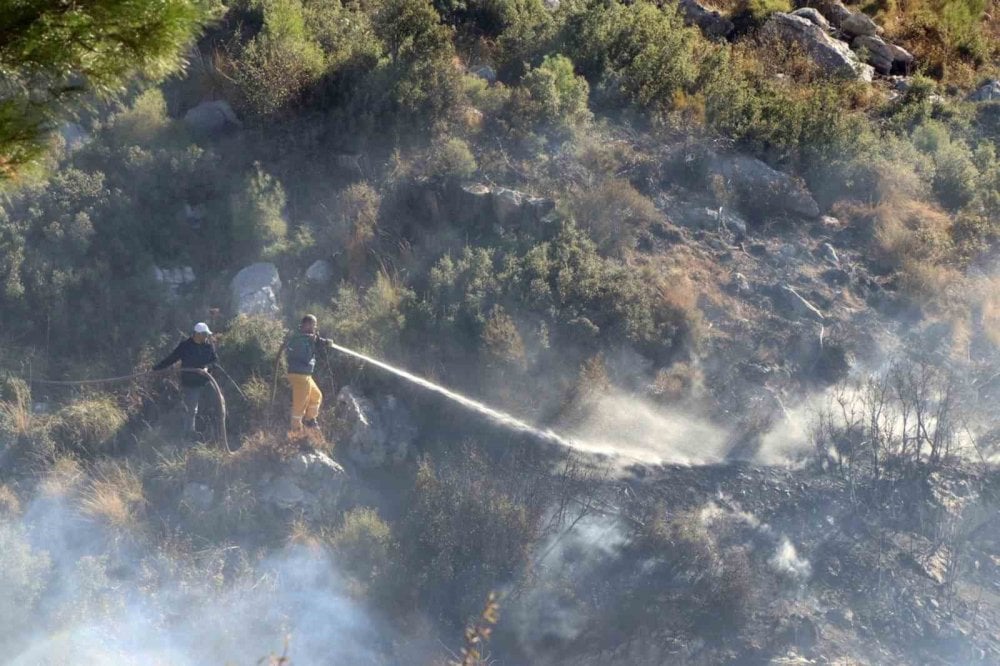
[(501, 338), (452, 158), (279, 64), (642, 49), (758, 10), (258, 216), (250, 346), (551, 97), (365, 547), (614, 214), (89, 425), (370, 321), (424, 82)]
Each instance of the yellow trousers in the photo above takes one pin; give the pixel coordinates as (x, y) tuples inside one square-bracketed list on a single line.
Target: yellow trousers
[(306, 399)]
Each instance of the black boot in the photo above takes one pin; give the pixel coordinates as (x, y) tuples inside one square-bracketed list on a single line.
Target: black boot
[(311, 423)]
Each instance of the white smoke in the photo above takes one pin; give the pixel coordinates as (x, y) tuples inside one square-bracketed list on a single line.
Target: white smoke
[(786, 561), (71, 592), (626, 426)]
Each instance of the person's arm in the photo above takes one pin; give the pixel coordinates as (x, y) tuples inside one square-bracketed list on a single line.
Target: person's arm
[(175, 356)]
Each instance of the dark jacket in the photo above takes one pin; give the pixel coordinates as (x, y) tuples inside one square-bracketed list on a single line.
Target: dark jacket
[(191, 355), (301, 350)]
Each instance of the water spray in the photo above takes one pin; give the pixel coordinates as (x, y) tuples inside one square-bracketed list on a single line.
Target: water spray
[(502, 418)]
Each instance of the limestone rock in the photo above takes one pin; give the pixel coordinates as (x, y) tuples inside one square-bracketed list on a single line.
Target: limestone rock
[(884, 57), (833, 11), (987, 92), (212, 118), (485, 72), (813, 15), (859, 24), (374, 433), (320, 272), (311, 482), (759, 189), (833, 56), (256, 289)]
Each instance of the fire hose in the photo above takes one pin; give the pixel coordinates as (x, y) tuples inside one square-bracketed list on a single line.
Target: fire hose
[(123, 378)]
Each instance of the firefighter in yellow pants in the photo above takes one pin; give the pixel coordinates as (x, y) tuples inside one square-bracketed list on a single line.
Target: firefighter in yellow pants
[(300, 354), (306, 401)]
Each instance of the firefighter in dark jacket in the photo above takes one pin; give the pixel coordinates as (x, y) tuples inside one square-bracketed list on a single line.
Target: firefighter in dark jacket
[(197, 352), (300, 354)]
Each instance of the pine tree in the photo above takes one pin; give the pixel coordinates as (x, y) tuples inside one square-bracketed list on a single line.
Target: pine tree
[(57, 54)]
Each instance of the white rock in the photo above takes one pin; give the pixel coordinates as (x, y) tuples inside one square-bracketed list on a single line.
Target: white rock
[(256, 290), (212, 117), (320, 272)]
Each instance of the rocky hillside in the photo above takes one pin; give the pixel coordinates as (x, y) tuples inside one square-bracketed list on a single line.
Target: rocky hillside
[(741, 257)]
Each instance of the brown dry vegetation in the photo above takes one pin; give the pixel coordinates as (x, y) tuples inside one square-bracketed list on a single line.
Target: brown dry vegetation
[(114, 496)]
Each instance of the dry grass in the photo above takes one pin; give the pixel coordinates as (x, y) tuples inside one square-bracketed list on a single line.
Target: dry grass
[(263, 445), (114, 496), (301, 534), (16, 412), (89, 424), (677, 382), (63, 478)]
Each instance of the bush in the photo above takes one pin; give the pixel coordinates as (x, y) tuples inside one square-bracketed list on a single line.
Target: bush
[(614, 214), (644, 50), (452, 158), (463, 535), (372, 321), (365, 547), (501, 338), (758, 10), (258, 216), (250, 346), (424, 82), (278, 65), (551, 98), (89, 425)]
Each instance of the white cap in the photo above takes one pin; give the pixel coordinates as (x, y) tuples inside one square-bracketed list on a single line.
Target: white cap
[(202, 327)]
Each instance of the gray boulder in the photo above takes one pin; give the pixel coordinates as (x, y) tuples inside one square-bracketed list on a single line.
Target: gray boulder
[(485, 72), (812, 15), (884, 57), (492, 206), (833, 56), (761, 190), (320, 272), (711, 23), (211, 118), (987, 92), (858, 24), (833, 11), (310, 483), (374, 433), (256, 289)]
